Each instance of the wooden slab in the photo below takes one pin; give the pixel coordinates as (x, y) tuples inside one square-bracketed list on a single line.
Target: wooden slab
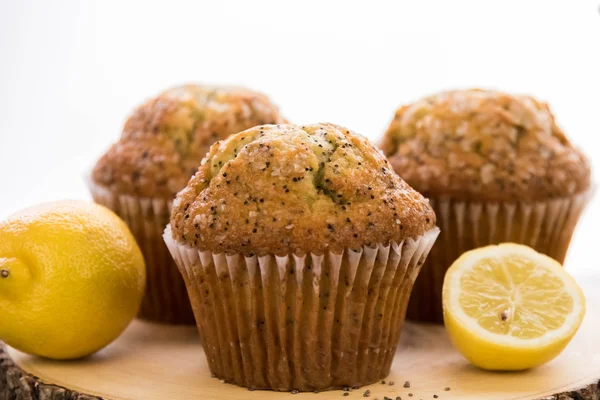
[(154, 362)]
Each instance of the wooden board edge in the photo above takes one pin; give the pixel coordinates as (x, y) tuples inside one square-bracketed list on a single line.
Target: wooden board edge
[(16, 384)]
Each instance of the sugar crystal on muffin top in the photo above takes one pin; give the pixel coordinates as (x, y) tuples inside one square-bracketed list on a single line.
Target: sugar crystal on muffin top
[(276, 189)]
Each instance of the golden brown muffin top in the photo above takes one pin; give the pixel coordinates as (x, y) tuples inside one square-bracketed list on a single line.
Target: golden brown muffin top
[(165, 139), (278, 189), (484, 145)]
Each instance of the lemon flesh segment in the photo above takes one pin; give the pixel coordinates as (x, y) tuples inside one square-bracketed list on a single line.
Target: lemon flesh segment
[(508, 307)]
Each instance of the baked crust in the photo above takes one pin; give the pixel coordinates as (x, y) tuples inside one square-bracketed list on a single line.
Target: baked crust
[(484, 145), (165, 139), (277, 189)]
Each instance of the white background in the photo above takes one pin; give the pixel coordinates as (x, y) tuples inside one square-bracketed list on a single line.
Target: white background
[(70, 71)]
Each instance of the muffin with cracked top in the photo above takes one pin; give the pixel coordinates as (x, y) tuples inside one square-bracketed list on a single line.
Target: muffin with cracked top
[(299, 246), (161, 147), (497, 168)]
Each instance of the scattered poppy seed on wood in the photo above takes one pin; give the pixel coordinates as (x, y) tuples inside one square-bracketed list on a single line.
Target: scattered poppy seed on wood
[(391, 383), (346, 394), (407, 384), (367, 393), (435, 396), (383, 382)]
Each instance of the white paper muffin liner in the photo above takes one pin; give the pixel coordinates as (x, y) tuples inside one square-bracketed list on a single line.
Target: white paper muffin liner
[(307, 323), (546, 226), (165, 300)]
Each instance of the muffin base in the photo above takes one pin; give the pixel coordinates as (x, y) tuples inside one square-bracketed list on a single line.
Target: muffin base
[(545, 226), (165, 299), (310, 322)]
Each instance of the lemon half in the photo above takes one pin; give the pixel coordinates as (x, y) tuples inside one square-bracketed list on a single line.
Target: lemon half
[(508, 307)]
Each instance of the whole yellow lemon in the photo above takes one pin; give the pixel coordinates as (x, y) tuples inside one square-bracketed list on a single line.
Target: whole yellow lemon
[(71, 279)]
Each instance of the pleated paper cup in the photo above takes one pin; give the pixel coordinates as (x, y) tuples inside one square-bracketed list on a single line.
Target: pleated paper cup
[(305, 323), (165, 300), (546, 226)]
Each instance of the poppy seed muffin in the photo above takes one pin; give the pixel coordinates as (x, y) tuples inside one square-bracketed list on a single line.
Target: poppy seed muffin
[(496, 167), (314, 188), (299, 246), (161, 147)]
